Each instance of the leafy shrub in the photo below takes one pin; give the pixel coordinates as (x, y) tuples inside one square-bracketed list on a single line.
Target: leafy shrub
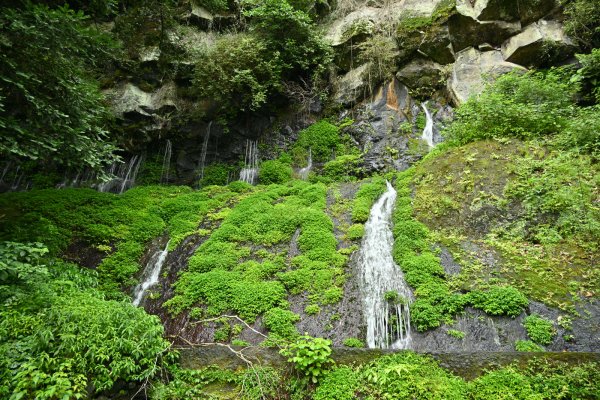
[(310, 356), (522, 106), (582, 22), (239, 73), (71, 343), (353, 342), (407, 375), (505, 383), (61, 121), (499, 300), (274, 171), (539, 329)]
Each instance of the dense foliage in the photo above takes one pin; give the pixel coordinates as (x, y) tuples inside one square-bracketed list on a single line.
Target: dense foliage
[(60, 338), (51, 109)]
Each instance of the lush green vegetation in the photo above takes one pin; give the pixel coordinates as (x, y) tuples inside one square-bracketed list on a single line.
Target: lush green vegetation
[(51, 109), (118, 227), (60, 338), (539, 329), (529, 192), (224, 274)]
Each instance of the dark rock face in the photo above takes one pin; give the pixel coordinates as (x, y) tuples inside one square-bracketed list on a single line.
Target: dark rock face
[(466, 31)]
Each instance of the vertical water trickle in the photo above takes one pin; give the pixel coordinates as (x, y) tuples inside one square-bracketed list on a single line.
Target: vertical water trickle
[(151, 274), (166, 166), (386, 296), (132, 171), (428, 131), (303, 173), (204, 149), (249, 173)]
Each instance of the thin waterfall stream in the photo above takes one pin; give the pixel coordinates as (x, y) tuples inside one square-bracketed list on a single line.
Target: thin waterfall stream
[(386, 296), (428, 131), (166, 165), (204, 150), (303, 173), (151, 274), (249, 173)]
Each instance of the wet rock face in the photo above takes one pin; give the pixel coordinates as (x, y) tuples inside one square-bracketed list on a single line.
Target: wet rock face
[(485, 333), (423, 75)]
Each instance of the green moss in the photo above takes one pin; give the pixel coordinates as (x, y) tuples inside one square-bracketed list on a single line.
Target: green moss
[(274, 171), (353, 342), (368, 193), (344, 167), (499, 300), (527, 345), (321, 138), (312, 309), (127, 222), (280, 322)]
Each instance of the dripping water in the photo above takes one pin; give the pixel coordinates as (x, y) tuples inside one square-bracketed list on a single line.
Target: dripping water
[(388, 321), (166, 166), (249, 173), (124, 176), (204, 149), (151, 274), (303, 173), (428, 131)]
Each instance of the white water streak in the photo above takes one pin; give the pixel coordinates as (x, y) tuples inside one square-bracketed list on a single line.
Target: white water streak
[(388, 323), (166, 166), (151, 274), (428, 131), (303, 173), (249, 173)]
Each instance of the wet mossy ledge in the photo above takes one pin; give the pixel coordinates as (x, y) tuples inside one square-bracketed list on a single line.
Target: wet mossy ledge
[(467, 365)]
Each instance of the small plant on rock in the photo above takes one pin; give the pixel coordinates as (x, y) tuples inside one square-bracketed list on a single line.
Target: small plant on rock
[(310, 357)]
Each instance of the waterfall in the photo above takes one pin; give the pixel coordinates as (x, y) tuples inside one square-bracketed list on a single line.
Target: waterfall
[(428, 131), (151, 274), (386, 296), (303, 173), (249, 173), (204, 149), (166, 166), (123, 177), (132, 170)]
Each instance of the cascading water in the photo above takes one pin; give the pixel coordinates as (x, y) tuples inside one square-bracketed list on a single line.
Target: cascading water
[(151, 274), (428, 131), (386, 296), (303, 173), (124, 176), (249, 173), (166, 166), (204, 149)]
